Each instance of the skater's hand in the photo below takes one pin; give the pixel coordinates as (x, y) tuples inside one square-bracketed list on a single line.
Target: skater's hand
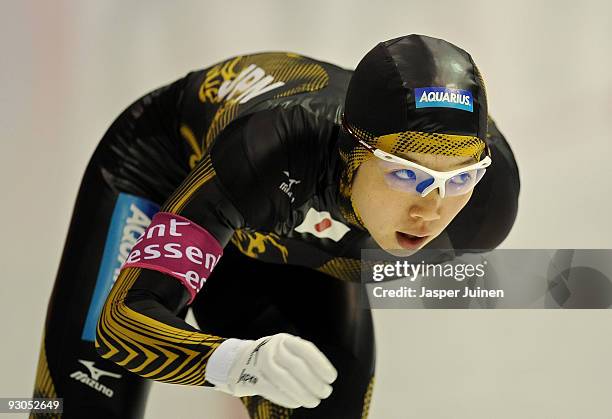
[(285, 369)]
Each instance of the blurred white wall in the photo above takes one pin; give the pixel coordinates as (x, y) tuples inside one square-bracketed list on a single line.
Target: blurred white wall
[(69, 67)]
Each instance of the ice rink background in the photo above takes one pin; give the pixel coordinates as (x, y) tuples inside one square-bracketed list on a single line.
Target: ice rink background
[(69, 67)]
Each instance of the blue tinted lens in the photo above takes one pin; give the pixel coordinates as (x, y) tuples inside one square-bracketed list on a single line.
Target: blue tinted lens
[(404, 174), (463, 182), (413, 180), (407, 180), (461, 179)]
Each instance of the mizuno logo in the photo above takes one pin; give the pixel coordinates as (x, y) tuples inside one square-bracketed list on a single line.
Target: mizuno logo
[(286, 186), (91, 380), (96, 373)]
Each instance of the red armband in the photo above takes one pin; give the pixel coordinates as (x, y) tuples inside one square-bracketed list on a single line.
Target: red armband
[(178, 247)]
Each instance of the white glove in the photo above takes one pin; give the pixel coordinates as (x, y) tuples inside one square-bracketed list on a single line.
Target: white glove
[(285, 369)]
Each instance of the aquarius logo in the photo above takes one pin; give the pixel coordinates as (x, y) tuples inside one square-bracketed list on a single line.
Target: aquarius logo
[(443, 97)]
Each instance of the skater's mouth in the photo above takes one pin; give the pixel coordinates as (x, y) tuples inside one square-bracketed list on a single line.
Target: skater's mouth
[(409, 241)]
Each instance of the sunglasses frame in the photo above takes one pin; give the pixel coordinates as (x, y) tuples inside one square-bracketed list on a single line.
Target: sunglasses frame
[(440, 178)]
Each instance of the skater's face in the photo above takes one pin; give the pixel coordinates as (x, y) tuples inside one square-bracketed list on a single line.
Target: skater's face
[(392, 216)]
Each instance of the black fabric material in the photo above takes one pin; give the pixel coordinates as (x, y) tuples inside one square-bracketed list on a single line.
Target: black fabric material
[(248, 299), (137, 155), (490, 214), (380, 97), (143, 154)]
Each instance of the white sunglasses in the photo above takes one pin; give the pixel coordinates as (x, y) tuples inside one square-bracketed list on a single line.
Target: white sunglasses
[(414, 178)]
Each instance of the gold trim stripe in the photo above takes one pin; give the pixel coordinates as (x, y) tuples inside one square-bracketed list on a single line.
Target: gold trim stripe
[(303, 74), (43, 386), (367, 399), (147, 346), (202, 174), (345, 269)]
